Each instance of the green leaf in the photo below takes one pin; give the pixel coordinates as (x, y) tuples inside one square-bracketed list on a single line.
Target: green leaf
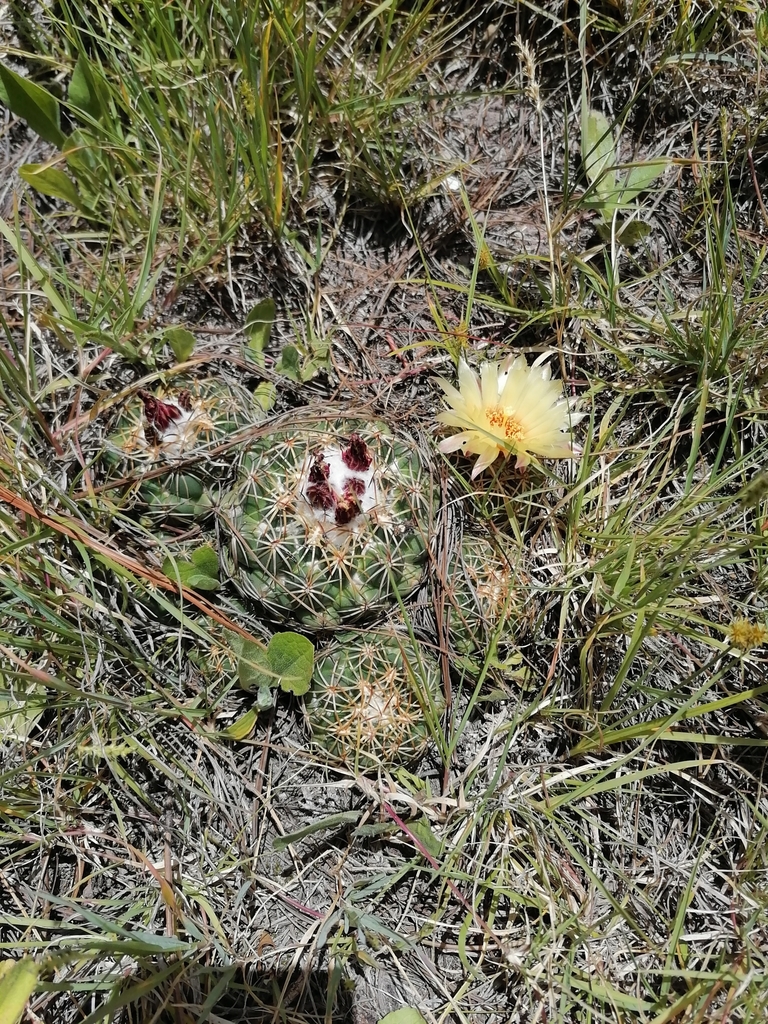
[(32, 103), (287, 662), (421, 829), (289, 363), (86, 89), (640, 178), (85, 161), (265, 698), (598, 151), (242, 727), (17, 983), (51, 182), (292, 657), (206, 560), (253, 666), (761, 28), (332, 821), (632, 232), (312, 367), (182, 342), (265, 395), (259, 325), (19, 717), (405, 1015), (198, 580), (200, 571), (627, 234)]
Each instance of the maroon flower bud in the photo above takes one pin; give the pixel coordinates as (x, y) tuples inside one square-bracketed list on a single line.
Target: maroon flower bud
[(346, 509), (354, 485), (319, 471), (356, 455), (159, 414), (321, 496), (184, 399)]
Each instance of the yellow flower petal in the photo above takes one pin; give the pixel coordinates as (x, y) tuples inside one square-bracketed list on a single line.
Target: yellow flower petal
[(509, 408)]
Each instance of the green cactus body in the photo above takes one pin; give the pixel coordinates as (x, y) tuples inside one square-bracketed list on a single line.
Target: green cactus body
[(178, 423), (473, 590), (328, 522), (372, 699)]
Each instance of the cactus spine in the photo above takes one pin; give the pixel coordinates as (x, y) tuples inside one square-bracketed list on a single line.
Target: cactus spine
[(179, 423), (328, 522), (373, 698)]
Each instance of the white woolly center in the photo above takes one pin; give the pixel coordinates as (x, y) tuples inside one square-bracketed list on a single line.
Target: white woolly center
[(181, 434), (338, 480)]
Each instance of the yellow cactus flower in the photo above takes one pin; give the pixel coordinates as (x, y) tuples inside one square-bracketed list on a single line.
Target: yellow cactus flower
[(510, 409)]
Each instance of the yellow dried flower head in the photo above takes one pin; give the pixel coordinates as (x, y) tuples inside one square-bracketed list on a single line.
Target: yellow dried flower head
[(747, 635), (511, 408), (247, 97), (485, 259)]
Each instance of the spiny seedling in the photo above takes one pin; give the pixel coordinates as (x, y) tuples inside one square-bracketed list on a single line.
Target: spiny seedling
[(328, 522), (477, 594), (472, 588), (373, 698), (174, 425)]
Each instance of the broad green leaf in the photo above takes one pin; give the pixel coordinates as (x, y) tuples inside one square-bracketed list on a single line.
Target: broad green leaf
[(265, 395), (242, 727), (86, 89), (633, 232), (182, 342), (253, 667), (198, 580), (51, 182), (17, 983), (405, 1015), (292, 658), (287, 662), (206, 560), (640, 178), (312, 367), (265, 698), (259, 326), (172, 567), (289, 363), (200, 571), (33, 104), (421, 829), (598, 151), (85, 161), (627, 234), (761, 28)]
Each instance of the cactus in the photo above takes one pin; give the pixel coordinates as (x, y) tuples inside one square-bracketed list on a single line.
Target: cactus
[(328, 522), (478, 593), (374, 696), (472, 587), (179, 423)]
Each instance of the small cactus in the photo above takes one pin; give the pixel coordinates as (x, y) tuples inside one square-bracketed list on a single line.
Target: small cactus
[(328, 522), (175, 424), (373, 698), (477, 594), (472, 587)]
